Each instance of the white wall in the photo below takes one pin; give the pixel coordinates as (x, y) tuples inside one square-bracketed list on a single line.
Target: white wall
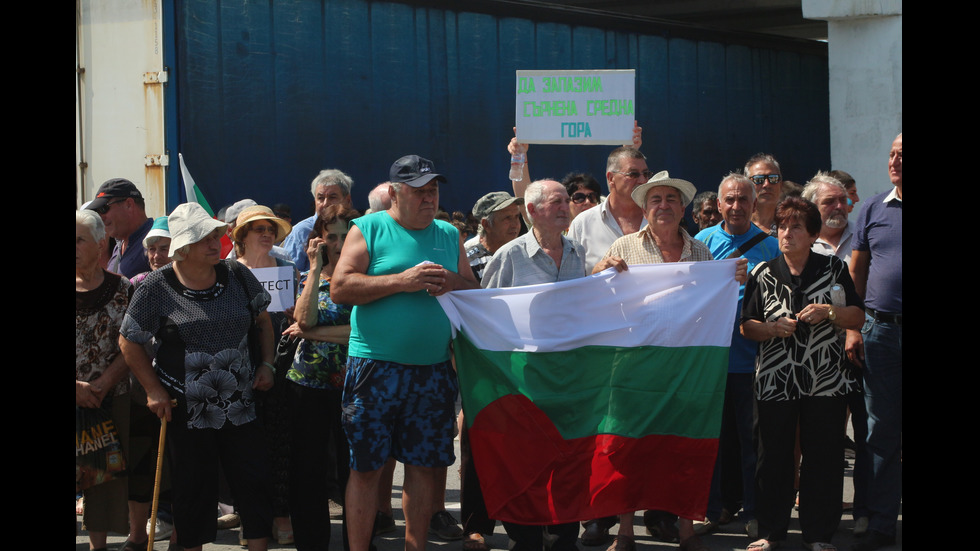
[(865, 49), (119, 116)]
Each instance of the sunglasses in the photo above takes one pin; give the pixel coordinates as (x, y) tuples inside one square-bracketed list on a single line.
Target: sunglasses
[(634, 175), (578, 198), (105, 208), (760, 179), (263, 229)]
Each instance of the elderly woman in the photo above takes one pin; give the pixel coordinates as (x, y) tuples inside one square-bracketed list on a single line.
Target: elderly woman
[(663, 200), (314, 387), (795, 306), (101, 373), (197, 312), (156, 247), (256, 230), (144, 425)]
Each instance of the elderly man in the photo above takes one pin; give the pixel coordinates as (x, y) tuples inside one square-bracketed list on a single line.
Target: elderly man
[(704, 210), (876, 267), (830, 196), (832, 200), (542, 255), (499, 216), (763, 170), (662, 200), (737, 236), (401, 387), (330, 187), (123, 212), (378, 198), (597, 228)]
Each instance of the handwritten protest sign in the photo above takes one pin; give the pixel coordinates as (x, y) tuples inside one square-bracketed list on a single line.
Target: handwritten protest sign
[(279, 283), (576, 107)]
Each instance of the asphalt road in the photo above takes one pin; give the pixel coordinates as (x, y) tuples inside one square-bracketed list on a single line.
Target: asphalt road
[(730, 537)]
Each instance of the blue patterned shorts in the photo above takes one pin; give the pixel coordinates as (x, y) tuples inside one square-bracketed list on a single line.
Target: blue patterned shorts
[(402, 411)]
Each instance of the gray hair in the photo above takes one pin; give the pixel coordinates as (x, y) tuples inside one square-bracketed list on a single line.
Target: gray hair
[(179, 254), (820, 179), (615, 158), (332, 177), (702, 198), (736, 177), (92, 222), (762, 158), (377, 197), (535, 193), (490, 220)]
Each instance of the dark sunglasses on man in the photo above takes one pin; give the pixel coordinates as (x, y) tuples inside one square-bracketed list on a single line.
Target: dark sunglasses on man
[(760, 179), (105, 208)]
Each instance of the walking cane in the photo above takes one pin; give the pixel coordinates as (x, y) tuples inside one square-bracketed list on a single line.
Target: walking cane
[(156, 480)]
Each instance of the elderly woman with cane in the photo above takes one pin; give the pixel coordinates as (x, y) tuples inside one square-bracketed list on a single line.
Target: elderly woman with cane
[(200, 313)]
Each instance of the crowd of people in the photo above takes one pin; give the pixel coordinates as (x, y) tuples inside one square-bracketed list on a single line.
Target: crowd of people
[(287, 412)]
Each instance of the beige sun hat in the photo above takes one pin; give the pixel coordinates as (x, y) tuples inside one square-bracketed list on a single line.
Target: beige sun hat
[(687, 189), (259, 212), (190, 223)]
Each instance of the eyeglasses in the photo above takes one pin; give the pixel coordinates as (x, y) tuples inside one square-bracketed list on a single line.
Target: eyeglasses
[(105, 208), (760, 179), (263, 229), (634, 175), (578, 198)]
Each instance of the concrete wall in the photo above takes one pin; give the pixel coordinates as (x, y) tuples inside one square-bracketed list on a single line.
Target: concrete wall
[(865, 64)]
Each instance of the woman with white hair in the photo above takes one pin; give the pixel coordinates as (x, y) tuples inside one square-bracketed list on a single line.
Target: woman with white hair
[(156, 247), (101, 299), (200, 313)]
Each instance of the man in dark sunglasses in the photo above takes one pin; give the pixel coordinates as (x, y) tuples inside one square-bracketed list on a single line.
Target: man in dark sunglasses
[(763, 170), (123, 211)]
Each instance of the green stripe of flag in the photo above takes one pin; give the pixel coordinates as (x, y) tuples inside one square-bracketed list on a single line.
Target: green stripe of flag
[(631, 392)]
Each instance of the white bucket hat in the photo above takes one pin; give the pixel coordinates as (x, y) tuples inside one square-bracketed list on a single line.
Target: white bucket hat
[(190, 223)]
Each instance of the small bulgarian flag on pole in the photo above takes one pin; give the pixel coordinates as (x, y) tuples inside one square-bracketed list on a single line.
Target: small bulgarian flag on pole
[(194, 193), (597, 396)]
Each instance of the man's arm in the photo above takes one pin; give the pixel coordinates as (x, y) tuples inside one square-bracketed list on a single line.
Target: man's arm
[(464, 278), (352, 286), (860, 263), (520, 186)]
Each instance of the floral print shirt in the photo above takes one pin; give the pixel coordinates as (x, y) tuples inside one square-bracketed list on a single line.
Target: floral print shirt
[(98, 314), (200, 339), (319, 364)]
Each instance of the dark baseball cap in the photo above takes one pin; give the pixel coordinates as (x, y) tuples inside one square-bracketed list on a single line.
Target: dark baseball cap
[(115, 187), (414, 171)]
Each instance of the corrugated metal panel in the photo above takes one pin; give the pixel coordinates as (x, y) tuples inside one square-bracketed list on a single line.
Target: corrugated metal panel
[(272, 92)]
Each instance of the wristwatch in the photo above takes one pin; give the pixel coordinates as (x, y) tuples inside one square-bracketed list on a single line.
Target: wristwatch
[(831, 315)]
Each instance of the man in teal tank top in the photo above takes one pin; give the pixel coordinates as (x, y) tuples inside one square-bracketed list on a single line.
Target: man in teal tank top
[(400, 387)]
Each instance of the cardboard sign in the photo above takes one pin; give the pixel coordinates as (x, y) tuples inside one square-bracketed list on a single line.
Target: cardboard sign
[(280, 284), (576, 107)]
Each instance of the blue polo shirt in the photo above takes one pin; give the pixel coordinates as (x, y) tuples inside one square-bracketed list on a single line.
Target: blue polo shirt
[(879, 232), (741, 357), (134, 261)]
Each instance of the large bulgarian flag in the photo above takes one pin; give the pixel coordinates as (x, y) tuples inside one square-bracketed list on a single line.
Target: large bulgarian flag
[(596, 396)]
